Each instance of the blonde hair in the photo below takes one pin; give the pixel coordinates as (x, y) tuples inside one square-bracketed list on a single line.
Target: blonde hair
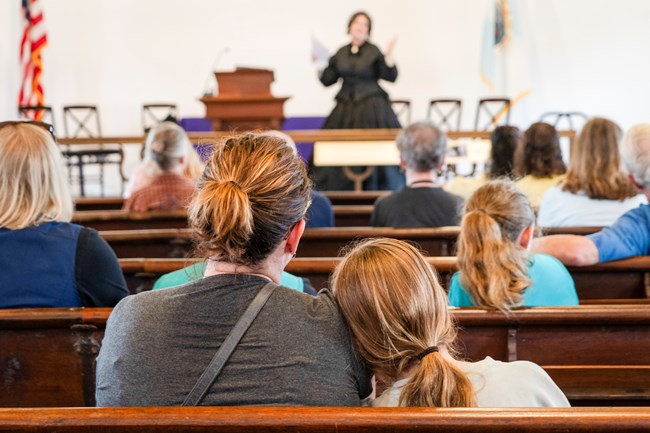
[(595, 164), (493, 266), (253, 191), (635, 154), (33, 184), (166, 143), (396, 309)]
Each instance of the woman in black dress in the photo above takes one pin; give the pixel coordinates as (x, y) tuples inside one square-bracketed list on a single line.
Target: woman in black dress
[(361, 103)]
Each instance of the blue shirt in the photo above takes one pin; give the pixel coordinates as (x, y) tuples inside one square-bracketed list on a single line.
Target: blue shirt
[(195, 272), (629, 236), (58, 264), (551, 285)]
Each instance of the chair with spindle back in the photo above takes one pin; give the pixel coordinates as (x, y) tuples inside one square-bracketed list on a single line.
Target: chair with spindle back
[(82, 121)]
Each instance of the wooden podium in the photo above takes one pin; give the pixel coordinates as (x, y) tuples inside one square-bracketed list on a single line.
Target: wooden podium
[(244, 101)]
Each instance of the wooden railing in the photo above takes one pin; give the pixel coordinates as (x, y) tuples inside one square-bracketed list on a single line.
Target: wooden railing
[(324, 420)]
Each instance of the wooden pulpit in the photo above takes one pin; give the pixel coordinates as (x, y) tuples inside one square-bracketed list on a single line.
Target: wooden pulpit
[(244, 101)]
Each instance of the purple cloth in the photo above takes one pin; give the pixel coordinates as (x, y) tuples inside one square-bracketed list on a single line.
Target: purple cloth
[(198, 124), (305, 150)]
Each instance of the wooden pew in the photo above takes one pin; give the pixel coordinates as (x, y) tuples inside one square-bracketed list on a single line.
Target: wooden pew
[(321, 242), (344, 216), (596, 354), (336, 197), (621, 281), (354, 197), (251, 419), (47, 356), (122, 220), (98, 203)]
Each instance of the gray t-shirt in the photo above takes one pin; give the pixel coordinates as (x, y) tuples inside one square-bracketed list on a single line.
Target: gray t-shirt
[(296, 352)]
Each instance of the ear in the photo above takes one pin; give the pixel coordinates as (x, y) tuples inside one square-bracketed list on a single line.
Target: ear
[(293, 240), (526, 236)]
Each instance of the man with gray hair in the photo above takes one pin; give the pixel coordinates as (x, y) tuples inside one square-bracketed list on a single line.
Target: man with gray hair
[(423, 202), (630, 235)]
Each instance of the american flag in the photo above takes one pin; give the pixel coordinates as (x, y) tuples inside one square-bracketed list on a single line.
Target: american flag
[(34, 39)]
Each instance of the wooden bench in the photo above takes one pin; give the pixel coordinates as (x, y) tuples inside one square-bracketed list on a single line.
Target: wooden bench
[(596, 354), (621, 281), (251, 419), (336, 197), (344, 216), (321, 242)]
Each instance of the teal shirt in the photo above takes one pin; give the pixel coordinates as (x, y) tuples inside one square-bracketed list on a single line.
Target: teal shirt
[(552, 285), (194, 272)]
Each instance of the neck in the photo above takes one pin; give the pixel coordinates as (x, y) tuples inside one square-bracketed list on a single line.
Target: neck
[(425, 179), (263, 270)]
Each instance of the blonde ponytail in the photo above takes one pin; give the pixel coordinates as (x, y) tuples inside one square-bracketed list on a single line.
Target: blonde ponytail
[(437, 382), (493, 266), (392, 301)]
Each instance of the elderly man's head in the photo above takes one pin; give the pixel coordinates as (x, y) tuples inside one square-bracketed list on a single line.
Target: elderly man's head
[(635, 152), (422, 147)]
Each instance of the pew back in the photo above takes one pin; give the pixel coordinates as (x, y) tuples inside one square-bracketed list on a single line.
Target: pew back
[(596, 354), (319, 242), (324, 420), (627, 279)]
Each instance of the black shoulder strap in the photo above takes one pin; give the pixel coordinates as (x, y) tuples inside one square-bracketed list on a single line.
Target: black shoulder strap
[(210, 374)]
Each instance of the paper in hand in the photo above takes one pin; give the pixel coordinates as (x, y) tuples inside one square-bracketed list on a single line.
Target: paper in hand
[(319, 52)]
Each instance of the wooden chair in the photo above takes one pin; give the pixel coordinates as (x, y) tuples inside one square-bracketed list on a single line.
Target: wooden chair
[(445, 113), (31, 112), (496, 110), (154, 113), (402, 109), (83, 121), (573, 119)]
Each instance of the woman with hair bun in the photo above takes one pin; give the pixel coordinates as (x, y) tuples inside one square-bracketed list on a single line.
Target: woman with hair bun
[(496, 269), (398, 315), (248, 217)]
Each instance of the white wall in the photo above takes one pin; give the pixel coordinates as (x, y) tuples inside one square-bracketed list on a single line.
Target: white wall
[(586, 55)]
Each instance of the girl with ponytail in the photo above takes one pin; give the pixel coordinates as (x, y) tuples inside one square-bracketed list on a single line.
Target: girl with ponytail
[(398, 316), (496, 269)]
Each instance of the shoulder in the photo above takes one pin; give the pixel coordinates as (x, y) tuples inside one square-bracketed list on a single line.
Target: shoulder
[(513, 384)]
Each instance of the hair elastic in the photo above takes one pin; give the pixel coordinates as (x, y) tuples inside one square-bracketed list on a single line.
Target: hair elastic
[(427, 351)]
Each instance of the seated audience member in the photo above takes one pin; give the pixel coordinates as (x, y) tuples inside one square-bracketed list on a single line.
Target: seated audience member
[(595, 191), (169, 188), (495, 267), (504, 141), (423, 202), (168, 132), (397, 312), (249, 216), (538, 160), (45, 261), (630, 235)]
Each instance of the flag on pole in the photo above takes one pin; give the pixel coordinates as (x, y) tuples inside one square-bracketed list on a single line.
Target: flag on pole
[(33, 40), (505, 52)]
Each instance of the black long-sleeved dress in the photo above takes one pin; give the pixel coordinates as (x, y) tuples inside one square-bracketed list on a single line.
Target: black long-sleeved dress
[(360, 104)]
